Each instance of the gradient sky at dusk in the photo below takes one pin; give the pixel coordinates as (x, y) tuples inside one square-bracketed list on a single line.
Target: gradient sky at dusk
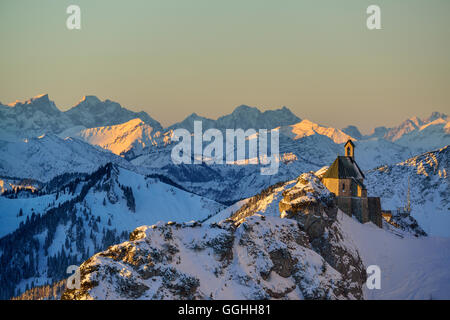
[(171, 58)]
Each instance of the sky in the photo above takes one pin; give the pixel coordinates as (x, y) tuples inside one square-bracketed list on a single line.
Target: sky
[(172, 58)]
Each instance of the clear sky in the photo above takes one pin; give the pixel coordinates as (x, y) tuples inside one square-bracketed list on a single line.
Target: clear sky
[(171, 58)]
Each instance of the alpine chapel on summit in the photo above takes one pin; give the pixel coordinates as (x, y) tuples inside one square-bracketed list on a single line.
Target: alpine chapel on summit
[(346, 180)]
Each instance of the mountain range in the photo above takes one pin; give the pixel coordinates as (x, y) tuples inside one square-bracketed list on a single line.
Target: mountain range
[(39, 115), (141, 140), (73, 183)]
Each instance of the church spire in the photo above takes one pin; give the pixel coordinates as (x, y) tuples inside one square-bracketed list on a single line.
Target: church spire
[(349, 149)]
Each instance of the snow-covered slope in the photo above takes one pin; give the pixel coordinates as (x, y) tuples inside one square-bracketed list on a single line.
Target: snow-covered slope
[(47, 156), (312, 252), (308, 128), (411, 268), (430, 188), (257, 257), (84, 216), (134, 135), (232, 182)]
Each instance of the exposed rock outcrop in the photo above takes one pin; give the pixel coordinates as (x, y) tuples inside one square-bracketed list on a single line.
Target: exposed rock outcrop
[(301, 256)]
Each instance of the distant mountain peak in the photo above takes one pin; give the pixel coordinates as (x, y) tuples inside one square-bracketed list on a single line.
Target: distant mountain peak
[(194, 116), (436, 115), (91, 100), (245, 108), (307, 128), (41, 98), (353, 131), (91, 112)]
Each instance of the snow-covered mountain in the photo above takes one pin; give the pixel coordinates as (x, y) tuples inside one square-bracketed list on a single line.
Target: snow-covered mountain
[(39, 115), (91, 112), (47, 156), (122, 139), (228, 183), (42, 235), (243, 117), (430, 136), (429, 184), (257, 257), (411, 268), (353, 131), (289, 242), (31, 118), (307, 128), (412, 125), (304, 146)]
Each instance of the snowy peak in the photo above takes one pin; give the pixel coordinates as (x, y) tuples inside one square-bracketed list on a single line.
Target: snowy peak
[(436, 115), (246, 117), (188, 123), (353, 131), (411, 125), (242, 117), (41, 98), (33, 117), (133, 135), (307, 128), (40, 102), (404, 128), (90, 100), (91, 112)]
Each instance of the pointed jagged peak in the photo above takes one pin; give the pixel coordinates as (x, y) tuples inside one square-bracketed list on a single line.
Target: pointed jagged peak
[(194, 116), (90, 100), (188, 123), (307, 128), (415, 120), (435, 115), (353, 131), (41, 98), (244, 109), (41, 103), (246, 117), (91, 112), (283, 113)]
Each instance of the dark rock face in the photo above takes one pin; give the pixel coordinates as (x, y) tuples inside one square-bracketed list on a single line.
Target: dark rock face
[(283, 263), (315, 209)]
